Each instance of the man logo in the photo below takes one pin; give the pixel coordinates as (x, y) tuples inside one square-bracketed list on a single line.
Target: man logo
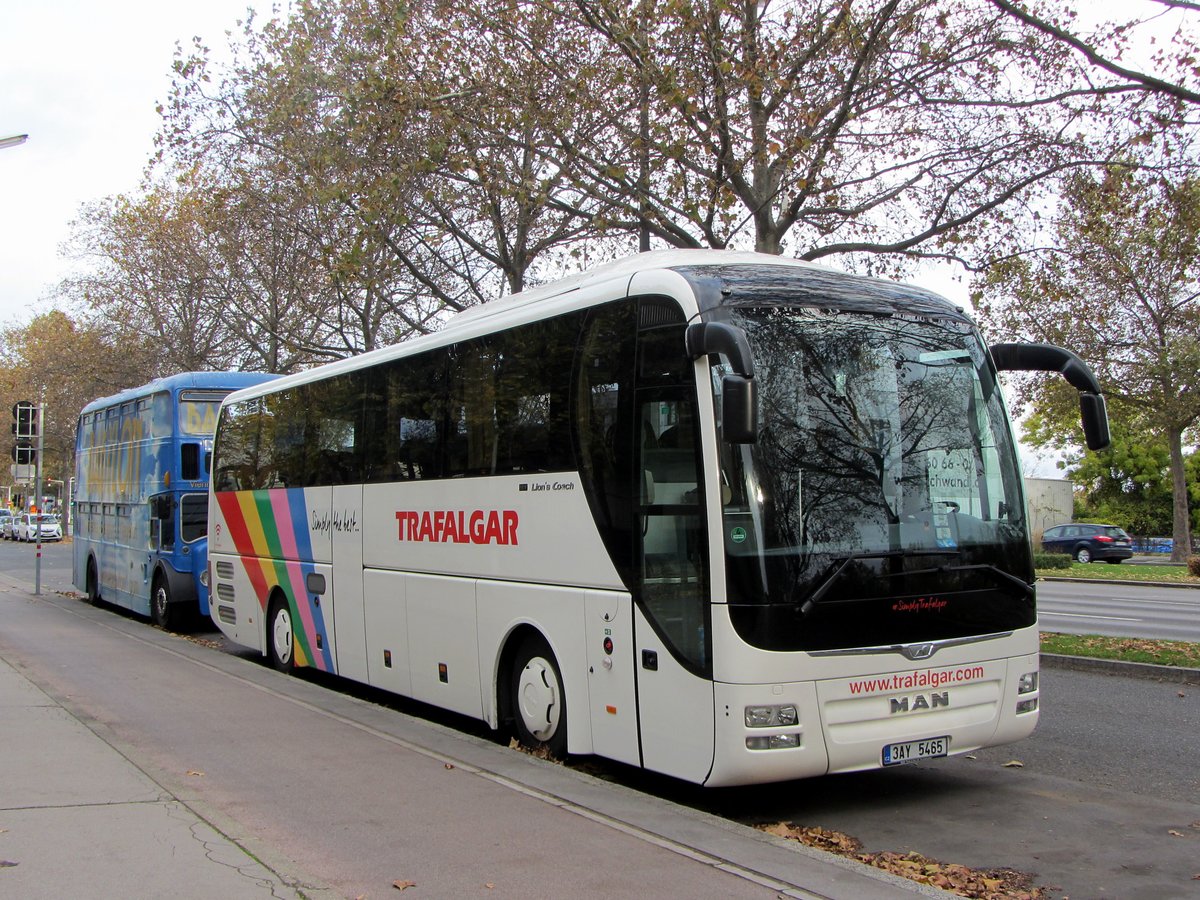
[(917, 651), (920, 702)]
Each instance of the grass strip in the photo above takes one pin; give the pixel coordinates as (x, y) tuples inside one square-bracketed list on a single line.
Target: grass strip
[(1141, 650), (1123, 572)]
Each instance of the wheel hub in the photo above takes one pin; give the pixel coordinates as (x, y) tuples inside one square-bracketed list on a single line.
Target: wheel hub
[(537, 699), (282, 635)]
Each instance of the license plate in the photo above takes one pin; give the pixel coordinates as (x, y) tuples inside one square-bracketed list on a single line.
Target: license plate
[(930, 748)]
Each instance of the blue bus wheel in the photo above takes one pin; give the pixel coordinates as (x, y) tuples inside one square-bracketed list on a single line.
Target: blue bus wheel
[(163, 613), (93, 583)]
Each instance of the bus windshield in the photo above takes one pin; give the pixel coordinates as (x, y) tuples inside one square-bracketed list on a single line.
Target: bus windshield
[(198, 412), (882, 503)]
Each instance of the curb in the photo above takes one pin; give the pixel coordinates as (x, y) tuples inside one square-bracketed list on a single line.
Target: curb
[(1119, 582), (1172, 674)]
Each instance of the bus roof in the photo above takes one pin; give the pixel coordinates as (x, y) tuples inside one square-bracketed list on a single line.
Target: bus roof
[(214, 381), (509, 311)]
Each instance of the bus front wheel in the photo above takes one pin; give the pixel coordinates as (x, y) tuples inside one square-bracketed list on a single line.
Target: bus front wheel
[(538, 702), (281, 644), (162, 612)]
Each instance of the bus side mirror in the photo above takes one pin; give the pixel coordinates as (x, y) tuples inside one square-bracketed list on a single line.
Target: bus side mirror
[(739, 410), (739, 405), (1093, 412)]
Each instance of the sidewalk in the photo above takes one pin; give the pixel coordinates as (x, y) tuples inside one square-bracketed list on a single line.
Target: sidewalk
[(86, 811), (77, 819)]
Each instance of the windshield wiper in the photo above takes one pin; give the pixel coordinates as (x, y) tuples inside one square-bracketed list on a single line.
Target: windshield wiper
[(1026, 588), (824, 587)]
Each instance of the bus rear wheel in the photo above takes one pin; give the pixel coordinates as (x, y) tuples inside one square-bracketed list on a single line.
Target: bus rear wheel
[(281, 641), (538, 703), (93, 583)]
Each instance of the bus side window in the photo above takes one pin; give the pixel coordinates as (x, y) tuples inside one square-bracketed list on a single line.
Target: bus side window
[(189, 462), (162, 521)]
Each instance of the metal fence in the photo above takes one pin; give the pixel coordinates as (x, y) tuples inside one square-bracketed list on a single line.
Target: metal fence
[(1154, 546)]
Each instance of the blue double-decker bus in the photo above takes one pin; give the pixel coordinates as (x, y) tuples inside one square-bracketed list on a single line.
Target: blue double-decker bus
[(141, 494)]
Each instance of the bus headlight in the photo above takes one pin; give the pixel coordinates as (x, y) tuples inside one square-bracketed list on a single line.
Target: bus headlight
[(771, 716), (772, 741), (1028, 683)]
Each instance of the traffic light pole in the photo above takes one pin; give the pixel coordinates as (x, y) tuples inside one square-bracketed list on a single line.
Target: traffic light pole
[(37, 520)]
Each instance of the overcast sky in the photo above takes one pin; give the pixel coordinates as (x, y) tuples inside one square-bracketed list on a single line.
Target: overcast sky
[(82, 79)]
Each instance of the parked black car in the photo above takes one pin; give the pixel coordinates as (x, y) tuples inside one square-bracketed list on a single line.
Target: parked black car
[(1088, 542)]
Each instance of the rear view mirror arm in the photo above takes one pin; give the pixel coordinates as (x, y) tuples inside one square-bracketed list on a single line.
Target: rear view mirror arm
[(1049, 358)]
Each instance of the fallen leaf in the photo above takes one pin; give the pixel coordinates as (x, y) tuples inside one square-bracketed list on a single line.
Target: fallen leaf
[(403, 885), (1182, 694), (971, 756), (957, 879), (449, 766), (6, 864), (196, 773), (490, 885), (1014, 764), (1173, 833)]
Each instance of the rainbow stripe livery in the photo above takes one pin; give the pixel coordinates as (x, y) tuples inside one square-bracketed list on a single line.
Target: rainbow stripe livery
[(269, 529)]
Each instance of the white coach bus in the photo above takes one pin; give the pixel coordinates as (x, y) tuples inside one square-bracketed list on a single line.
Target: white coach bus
[(729, 517)]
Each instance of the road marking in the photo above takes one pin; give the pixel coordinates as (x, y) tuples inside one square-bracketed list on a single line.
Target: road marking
[(1174, 604), (1082, 616)]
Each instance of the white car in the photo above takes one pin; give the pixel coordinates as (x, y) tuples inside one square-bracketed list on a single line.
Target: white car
[(27, 525)]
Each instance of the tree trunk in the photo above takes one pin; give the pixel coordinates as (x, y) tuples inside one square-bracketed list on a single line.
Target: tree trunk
[(1182, 527)]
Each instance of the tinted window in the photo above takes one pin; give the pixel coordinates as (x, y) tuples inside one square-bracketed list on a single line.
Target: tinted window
[(494, 405), (509, 401), (241, 445), (193, 516), (189, 463), (333, 430), (302, 437), (405, 415)]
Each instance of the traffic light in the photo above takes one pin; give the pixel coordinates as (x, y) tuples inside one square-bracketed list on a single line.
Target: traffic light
[(24, 420), (24, 429)]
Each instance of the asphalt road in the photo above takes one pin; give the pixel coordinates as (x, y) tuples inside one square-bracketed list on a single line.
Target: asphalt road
[(1120, 610), (1102, 802)]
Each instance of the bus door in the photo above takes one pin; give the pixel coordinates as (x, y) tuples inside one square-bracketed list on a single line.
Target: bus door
[(674, 683), (348, 614), (636, 399)]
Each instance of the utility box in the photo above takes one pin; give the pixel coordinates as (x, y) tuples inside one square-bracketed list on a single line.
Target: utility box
[(1048, 502)]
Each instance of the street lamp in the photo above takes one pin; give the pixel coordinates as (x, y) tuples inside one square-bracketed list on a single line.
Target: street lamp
[(58, 501), (15, 140)]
